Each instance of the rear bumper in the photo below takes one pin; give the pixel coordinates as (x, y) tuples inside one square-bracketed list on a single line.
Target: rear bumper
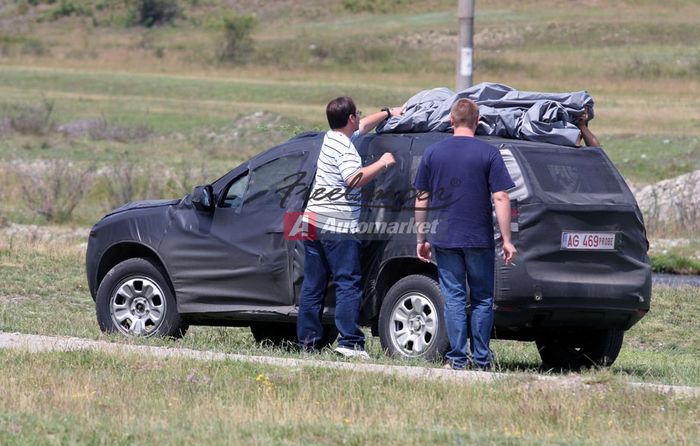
[(570, 296), (529, 321)]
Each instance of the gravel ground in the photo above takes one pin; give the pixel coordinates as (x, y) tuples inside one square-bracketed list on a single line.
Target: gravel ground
[(37, 343), (675, 280)]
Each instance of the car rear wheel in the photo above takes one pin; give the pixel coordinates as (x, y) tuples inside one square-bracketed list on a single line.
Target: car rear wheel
[(598, 348), (285, 334), (135, 299), (411, 319)]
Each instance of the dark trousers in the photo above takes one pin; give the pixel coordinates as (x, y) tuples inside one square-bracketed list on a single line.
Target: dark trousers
[(339, 259)]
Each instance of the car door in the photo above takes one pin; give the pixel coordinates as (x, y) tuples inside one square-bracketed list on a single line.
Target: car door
[(236, 258)]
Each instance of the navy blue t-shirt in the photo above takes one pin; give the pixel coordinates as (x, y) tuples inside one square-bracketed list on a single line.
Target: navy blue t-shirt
[(461, 173)]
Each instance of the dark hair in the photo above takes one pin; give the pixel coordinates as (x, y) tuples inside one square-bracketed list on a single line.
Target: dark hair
[(465, 113), (339, 110)]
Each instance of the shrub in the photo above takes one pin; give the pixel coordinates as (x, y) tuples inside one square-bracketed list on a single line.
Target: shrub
[(70, 8), (154, 12), (9, 44), (674, 263), (183, 180), (130, 181), (237, 43), (372, 5), (56, 189), (32, 119)]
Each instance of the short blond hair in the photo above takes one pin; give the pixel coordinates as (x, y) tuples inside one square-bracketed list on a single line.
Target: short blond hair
[(465, 113)]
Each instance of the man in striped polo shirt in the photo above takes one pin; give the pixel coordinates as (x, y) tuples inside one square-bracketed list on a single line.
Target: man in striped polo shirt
[(334, 208)]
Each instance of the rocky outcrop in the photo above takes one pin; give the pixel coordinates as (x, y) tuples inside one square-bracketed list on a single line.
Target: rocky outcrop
[(671, 203)]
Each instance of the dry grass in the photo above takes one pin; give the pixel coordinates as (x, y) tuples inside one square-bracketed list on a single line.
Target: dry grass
[(97, 397)]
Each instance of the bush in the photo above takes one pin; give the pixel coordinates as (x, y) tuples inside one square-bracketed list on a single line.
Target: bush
[(187, 177), (10, 44), (154, 12), (55, 190), (237, 43), (372, 5), (130, 181), (70, 8), (32, 119), (674, 263)]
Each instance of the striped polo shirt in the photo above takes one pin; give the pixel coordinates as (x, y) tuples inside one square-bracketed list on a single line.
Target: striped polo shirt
[(337, 208)]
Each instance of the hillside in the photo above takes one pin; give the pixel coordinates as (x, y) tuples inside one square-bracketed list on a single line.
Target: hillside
[(177, 87)]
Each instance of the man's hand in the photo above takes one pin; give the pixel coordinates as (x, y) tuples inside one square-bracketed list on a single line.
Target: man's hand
[(583, 119), (424, 252), (509, 252), (397, 111), (388, 159)]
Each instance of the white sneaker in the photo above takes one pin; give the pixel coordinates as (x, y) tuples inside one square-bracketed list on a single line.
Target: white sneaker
[(348, 352)]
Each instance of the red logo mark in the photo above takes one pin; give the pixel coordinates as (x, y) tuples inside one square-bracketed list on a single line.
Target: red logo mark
[(299, 226)]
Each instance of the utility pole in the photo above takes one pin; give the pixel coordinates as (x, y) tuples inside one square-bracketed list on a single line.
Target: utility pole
[(465, 45)]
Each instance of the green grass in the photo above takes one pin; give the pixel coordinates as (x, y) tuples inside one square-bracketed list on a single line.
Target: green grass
[(648, 159), (45, 292), (638, 59), (91, 397), (675, 263), (184, 90), (674, 255)]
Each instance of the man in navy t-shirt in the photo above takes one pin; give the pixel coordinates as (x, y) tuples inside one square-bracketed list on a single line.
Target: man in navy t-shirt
[(456, 180)]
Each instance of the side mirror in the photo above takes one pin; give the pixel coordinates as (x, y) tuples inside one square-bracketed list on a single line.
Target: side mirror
[(203, 198)]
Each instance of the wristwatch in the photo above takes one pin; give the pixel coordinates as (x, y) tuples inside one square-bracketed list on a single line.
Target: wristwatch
[(388, 112)]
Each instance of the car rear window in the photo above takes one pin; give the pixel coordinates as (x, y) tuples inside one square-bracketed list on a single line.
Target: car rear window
[(572, 171)]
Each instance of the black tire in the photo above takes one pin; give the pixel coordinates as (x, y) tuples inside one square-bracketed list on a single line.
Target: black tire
[(426, 336), (598, 348), (282, 334), (136, 289)]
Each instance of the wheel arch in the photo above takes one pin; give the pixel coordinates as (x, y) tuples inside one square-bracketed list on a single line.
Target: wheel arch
[(122, 251), (396, 269)]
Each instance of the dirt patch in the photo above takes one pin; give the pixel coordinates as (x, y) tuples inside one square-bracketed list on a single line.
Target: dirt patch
[(81, 127), (14, 234), (432, 40), (9, 299), (486, 39), (253, 131)]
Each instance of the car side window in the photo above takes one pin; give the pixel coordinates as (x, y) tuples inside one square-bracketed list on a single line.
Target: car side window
[(520, 191), (234, 194), (271, 182)]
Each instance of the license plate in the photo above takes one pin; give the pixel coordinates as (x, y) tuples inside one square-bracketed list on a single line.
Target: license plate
[(588, 241)]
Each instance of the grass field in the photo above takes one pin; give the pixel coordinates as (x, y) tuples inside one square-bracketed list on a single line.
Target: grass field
[(165, 100), (45, 292), (97, 398), (94, 398), (164, 113)]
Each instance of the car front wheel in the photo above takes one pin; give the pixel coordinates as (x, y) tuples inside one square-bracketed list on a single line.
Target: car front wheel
[(411, 319), (135, 299)]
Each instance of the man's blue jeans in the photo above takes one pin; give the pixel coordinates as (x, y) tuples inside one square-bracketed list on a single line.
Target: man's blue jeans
[(340, 259), (456, 268)]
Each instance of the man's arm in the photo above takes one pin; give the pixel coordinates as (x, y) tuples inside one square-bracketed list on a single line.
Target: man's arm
[(423, 250), (368, 123), (588, 137), (502, 204), (586, 134), (366, 174)]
